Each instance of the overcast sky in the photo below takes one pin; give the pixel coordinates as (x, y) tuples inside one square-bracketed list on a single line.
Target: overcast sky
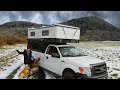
[(53, 17)]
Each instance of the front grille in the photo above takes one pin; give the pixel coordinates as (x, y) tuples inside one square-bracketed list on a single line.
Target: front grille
[(98, 69)]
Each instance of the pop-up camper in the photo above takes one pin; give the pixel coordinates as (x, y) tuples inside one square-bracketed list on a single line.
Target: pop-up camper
[(55, 33), (39, 38)]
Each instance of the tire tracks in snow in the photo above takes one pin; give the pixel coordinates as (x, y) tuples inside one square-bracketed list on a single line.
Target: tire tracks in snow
[(11, 75)]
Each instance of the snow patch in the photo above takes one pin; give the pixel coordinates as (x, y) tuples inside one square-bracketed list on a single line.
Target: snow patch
[(10, 69), (18, 71)]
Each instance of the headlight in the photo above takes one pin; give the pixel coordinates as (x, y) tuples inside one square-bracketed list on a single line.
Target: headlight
[(85, 70), (81, 69)]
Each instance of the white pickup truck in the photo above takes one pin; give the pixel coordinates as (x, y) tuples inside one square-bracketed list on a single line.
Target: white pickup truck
[(71, 63), (50, 45)]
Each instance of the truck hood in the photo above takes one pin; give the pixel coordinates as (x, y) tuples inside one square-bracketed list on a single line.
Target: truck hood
[(84, 61)]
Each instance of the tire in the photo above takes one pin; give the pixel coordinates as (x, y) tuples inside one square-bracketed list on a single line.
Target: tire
[(41, 73), (69, 75)]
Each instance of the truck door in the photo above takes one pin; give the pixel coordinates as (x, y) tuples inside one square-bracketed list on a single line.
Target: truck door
[(52, 59)]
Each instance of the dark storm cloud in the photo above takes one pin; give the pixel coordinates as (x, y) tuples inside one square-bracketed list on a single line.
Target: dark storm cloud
[(13, 15), (52, 17)]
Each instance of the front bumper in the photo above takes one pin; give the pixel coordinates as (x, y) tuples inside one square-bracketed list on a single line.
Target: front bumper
[(85, 76)]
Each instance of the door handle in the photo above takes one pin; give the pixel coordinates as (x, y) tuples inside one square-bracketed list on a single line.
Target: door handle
[(46, 57), (62, 61)]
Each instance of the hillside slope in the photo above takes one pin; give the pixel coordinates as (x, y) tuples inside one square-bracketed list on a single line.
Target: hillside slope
[(95, 28), (18, 28)]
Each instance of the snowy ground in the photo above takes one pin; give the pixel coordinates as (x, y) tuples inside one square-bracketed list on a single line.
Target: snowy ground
[(47, 74), (9, 59), (18, 71), (16, 62), (9, 52), (107, 51)]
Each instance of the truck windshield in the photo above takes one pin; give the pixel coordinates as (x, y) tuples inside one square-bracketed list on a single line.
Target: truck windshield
[(70, 51)]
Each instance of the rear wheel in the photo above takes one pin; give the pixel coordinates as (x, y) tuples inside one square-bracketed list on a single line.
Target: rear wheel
[(69, 75)]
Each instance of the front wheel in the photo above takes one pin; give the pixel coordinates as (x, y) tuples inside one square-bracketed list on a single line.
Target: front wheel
[(69, 75)]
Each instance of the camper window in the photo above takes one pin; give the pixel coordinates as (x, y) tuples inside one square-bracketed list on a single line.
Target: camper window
[(32, 33), (45, 33)]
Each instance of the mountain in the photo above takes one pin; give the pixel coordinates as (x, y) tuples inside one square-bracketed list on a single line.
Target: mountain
[(92, 28), (18, 28), (95, 28), (20, 24)]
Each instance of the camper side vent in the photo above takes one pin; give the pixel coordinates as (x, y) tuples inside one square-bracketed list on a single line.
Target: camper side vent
[(32, 33), (45, 33)]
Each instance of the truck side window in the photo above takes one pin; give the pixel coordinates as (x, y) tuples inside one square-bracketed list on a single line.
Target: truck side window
[(52, 49), (48, 50)]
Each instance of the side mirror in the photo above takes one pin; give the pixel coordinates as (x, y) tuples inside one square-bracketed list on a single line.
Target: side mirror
[(55, 55)]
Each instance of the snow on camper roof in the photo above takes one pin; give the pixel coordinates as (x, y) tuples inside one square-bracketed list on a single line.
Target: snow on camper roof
[(60, 25)]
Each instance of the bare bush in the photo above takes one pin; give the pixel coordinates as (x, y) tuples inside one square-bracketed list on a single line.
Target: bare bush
[(10, 39)]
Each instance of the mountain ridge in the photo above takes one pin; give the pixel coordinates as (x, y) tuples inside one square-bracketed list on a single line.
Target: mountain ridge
[(92, 28)]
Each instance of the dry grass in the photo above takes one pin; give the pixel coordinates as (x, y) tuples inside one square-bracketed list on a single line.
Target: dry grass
[(10, 39)]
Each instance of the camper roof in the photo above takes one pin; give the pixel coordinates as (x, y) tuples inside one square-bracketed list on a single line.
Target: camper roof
[(60, 25)]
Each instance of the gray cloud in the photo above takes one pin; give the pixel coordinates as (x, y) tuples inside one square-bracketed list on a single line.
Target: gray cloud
[(52, 17)]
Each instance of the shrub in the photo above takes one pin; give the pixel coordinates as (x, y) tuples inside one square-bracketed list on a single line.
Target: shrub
[(115, 74), (10, 39)]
